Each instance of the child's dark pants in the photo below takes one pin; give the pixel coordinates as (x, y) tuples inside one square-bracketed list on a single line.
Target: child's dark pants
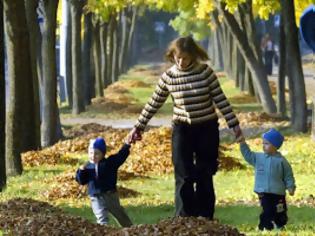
[(194, 155), (274, 210)]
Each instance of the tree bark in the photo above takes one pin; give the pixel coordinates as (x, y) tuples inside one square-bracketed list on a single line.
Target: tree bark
[(19, 135), (256, 68), (86, 58), (97, 58), (134, 12), (68, 56), (281, 104), (116, 49), (76, 7), (295, 72), (103, 54), (124, 40), (110, 48), (3, 179), (50, 127), (34, 32)]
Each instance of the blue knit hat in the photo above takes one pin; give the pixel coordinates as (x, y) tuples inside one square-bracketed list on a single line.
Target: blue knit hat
[(100, 144), (274, 137)]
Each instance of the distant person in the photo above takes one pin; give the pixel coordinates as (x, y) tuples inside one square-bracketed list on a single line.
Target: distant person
[(273, 176), (268, 51), (100, 174), (196, 93)]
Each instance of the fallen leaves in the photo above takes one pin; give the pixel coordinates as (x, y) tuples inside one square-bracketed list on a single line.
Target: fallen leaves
[(30, 217), (65, 186), (151, 155)]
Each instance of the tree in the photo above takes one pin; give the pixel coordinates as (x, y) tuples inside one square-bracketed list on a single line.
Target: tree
[(295, 72), (19, 135), (34, 32), (86, 57), (2, 104), (76, 7), (50, 130)]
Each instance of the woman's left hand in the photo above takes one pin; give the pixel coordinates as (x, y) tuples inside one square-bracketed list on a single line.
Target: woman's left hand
[(237, 131)]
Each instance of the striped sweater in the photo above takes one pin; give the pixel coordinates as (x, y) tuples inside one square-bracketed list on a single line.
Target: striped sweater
[(195, 93)]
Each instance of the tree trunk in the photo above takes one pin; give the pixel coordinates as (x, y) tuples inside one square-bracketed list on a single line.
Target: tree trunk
[(257, 70), (34, 33), (3, 179), (50, 127), (76, 7), (19, 135), (86, 58), (68, 56), (116, 49), (97, 58), (218, 42), (124, 40), (134, 12), (110, 48), (281, 104), (295, 72), (103, 54)]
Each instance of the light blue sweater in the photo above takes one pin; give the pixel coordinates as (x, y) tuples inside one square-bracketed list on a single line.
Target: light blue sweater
[(273, 173)]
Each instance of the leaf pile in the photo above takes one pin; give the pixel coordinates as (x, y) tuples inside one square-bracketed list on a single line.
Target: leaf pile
[(30, 217), (187, 226), (151, 155), (65, 186), (80, 130), (257, 118)]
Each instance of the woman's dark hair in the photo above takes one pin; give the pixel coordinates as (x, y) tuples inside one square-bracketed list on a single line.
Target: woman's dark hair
[(187, 45)]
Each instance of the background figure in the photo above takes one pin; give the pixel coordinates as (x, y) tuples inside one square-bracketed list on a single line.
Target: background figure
[(267, 47)]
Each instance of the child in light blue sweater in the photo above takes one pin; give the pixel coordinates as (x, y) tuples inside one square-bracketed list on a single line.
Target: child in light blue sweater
[(273, 176)]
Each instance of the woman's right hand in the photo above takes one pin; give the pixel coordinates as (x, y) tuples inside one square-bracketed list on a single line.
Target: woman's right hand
[(135, 135)]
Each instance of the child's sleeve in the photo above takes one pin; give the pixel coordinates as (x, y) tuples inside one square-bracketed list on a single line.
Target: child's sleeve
[(288, 175), (82, 176), (248, 155), (119, 158)]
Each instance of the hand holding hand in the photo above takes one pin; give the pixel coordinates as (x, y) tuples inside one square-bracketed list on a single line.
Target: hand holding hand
[(237, 131), (291, 192), (134, 135)]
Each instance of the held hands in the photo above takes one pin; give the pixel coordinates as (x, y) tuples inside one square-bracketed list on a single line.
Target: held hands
[(238, 134), (291, 191), (134, 135)]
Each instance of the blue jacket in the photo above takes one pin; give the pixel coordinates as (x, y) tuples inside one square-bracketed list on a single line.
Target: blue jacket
[(273, 173), (107, 172)]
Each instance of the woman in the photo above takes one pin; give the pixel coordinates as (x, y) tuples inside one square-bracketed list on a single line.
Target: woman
[(196, 93)]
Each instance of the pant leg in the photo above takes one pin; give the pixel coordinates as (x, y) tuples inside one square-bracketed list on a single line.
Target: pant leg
[(99, 209), (114, 207), (206, 146), (281, 217), (267, 215), (182, 157)]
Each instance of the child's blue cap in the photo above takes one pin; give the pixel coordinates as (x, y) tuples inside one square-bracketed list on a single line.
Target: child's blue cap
[(274, 137), (100, 144)]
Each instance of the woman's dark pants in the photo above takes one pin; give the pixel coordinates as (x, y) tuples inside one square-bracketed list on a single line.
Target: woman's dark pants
[(195, 159)]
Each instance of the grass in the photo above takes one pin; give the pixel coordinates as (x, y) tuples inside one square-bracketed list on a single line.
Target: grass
[(237, 205)]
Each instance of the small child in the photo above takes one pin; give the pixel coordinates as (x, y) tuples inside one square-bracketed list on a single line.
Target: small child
[(100, 174), (273, 175)]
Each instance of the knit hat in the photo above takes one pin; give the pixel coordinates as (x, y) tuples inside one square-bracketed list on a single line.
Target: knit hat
[(100, 144), (274, 137)]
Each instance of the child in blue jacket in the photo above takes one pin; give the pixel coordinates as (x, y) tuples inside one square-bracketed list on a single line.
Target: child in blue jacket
[(273, 176), (100, 174)]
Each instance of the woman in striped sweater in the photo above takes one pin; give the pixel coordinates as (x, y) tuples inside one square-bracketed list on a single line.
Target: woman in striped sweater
[(196, 93)]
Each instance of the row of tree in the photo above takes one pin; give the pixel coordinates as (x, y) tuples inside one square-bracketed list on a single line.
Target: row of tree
[(93, 60), (97, 53)]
